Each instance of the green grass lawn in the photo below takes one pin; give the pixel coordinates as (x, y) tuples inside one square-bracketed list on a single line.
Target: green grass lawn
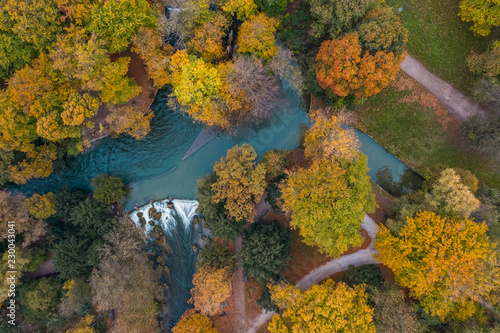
[(440, 39), (412, 133)]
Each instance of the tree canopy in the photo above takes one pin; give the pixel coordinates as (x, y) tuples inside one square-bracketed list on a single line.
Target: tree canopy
[(211, 287), (331, 307), (447, 263), (192, 322), (483, 13)]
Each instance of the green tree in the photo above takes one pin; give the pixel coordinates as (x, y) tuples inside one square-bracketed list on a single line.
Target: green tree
[(14, 53), (65, 200), (336, 17), (215, 213), (367, 274), (92, 217), (240, 182), (331, 307), (487, 64), (108, 188), (448, 264), (328, 201), (73, 258), (484, 14), (42, 295), (117, 21), (265, 250), (216, 256), (382, 30)]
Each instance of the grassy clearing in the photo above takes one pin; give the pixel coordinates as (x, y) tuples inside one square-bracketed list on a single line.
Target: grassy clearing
[(440, 39), (414, 133)]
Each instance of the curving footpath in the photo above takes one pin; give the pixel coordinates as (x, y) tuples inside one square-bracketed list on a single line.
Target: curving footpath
[(359, 258), (460, 106)]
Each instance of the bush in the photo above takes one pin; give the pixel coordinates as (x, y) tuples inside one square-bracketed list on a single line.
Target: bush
[(108, 189), (368, 274)]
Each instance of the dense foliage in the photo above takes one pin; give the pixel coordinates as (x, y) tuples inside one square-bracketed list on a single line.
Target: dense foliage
[(192, 322)]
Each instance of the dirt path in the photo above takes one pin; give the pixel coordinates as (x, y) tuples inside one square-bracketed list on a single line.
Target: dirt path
[(47, 268), (359, 258), (239, 289), (460, 106)]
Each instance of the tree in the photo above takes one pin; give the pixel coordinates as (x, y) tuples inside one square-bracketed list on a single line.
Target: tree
[(23, 260), (450, 195), (125, 281), (41, 206), (271, 7), (484, 14), (275, 161), (14, 53), (215, 213), (243, 9), (328, 139), (342, 67), (448, 264), (77, 299), (487, 64), (42, 295), (192, 322), (73, 257), (240, 182), (265, 250), (211, 287), (130, 120), (256, 36), (117, 21), (336, 17), (216, 256), (328, 201), (92, 218), (84, 325), (331, 307), (392, 314), (65, 200), (366, 274), (38, 163), (14, 208), (273, 196), (108, 188), (207, 39)]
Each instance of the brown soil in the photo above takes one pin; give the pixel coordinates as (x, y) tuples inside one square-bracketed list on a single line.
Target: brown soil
[(384, 201), (253, 290), (136, 71)]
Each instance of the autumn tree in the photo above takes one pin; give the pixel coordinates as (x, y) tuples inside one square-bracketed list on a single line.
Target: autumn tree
[(108, 188), (14, 53), (116, 21), (216, 256), (328, 201), (215, 213), (342, 67), (275, 161), (192, 322), (327, 138), (77, 298), (125, 281), (240, 182), (256, 36), (148, 44), (336, 17), (23, 261), (130, 120), (382, 30), (207, 39), (211, 287), (265, 250), (14, 208), (243, 9), (41, 206), (487, 64), (84, 325), (483, 13), (391, 312), (447, 263), (331, 307), (42, 295)]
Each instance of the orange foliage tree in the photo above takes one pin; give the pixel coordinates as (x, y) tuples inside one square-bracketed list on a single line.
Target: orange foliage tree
[(448, 264), (192, 322), (207, 39), (211, 287), (342, 67)]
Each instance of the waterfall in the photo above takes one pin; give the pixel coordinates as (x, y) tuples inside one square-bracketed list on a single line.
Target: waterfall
[(180, 234)]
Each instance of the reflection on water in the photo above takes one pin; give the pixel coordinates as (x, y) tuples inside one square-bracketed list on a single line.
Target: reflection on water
[(408, 181)]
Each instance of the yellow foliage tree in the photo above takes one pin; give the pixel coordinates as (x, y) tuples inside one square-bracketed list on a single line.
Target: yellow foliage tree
[(326, 139), (448, 264), (256, 36), (211, 287), (242, 8), (240, 182), (83, 325), (328, 307), (128, 119), (38, 163), (192, 322), (207, 39), (41, 206)]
